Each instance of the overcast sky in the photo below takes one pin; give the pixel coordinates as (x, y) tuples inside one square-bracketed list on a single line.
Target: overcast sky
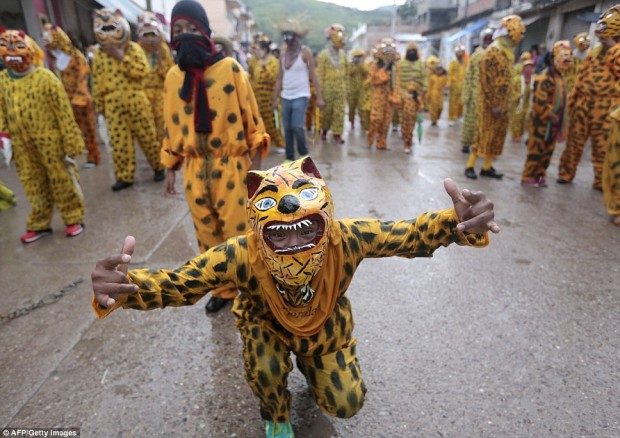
[(365, 5)]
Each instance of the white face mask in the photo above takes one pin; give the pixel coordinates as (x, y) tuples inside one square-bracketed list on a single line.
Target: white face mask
[(62, 59)]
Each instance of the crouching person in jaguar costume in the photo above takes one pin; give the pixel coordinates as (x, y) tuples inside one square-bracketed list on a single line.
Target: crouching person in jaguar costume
[(293, 268)]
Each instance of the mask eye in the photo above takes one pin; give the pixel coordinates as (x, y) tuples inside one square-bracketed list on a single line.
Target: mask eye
[(265, 203), (309, 194)]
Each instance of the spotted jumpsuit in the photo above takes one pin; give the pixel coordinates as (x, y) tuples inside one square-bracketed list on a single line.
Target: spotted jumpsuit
[(36, 113), (589, 105), (75, 78), (385, 94), (522, 96), (413, 86), (357, 75), (327, 358), (611, 167), (332, 76), (118, 88), (436, 86), (215, 165), (456, 74), (470, 97), (549, 98), (154, 85), (263, 80)]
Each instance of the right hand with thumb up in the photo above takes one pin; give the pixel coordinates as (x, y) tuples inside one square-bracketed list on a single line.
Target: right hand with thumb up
[(110, 280)]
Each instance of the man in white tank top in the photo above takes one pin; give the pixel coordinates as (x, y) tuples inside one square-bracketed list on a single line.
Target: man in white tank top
[(293, 85)]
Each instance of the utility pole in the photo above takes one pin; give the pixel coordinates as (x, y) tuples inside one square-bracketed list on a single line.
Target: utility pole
[(393, 27)]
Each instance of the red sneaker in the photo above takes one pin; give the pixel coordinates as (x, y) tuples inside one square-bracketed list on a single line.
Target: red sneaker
[(32, 236), (74, 230)]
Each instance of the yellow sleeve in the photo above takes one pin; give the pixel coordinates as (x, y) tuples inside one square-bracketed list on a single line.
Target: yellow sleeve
[(256, 136), (98, 73), (418, 237), (185, 285)]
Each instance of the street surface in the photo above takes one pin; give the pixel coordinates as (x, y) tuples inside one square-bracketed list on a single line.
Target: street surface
[(520, 339)]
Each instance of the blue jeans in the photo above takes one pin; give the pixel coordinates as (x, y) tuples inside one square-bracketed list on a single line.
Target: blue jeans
[(293, 119)]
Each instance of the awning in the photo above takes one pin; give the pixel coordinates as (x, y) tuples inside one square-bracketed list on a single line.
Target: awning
[(531, 19), (476, 26), (130, 10)]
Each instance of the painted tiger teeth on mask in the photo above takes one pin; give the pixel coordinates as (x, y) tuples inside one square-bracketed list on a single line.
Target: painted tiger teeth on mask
[(295, 248), (288, 227)]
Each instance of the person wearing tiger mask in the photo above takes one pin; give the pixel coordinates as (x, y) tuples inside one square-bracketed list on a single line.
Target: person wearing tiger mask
[(36, 121), (470, 90), (120, 68), (413, 86), (293, 268), (437, 82), (522, 86), (151, 39), (384, 77), (75, 75), (263, 71), (331, 70), (494, 97), (582, 43), (548, 115), (357, 75), (591, 100), (456, 74)]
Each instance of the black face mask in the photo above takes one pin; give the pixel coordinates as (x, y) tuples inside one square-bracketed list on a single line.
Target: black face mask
[(193, 51), (412, 55)]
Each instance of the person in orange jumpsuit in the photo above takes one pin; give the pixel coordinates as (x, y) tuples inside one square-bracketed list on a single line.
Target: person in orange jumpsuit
[(214, 137), (590, 102), (384, 77), (75, 75)]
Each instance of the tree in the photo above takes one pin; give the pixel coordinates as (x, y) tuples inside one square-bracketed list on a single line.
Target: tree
[(407, 10)]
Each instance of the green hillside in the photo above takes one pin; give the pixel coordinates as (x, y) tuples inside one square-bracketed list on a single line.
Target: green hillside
[(267, 13)]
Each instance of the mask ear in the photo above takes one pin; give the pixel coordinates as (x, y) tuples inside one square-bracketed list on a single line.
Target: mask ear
[(254, 180), (308, 167)]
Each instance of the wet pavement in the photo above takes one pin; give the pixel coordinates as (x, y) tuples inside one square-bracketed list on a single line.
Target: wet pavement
[(519, 339)]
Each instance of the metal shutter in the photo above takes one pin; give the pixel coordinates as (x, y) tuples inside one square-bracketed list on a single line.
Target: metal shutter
[(572, 25)]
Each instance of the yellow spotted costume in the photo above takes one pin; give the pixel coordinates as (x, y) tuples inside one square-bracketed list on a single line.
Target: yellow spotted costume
[(366, 102), (151, 39), (611, 169), (357, 75), (263, 75), (521, 101), (385, 79), (331, 71), (294, 301), (214, 165), (118, 88), (35, 113), (413, 88), (456, 75), (437, 82), (75, 78), (582, 44), (469, 96)]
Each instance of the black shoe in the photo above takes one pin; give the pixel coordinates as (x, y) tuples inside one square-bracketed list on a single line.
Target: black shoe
[(491, 173), (215, 304), (465, 149), (471, 173), (562, 181), (159, 175), (120, 185)]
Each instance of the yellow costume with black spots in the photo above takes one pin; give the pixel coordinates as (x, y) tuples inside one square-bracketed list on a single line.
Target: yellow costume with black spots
[(521, 98), (331, 71), (35, 113), (214, 165), (366, 103), (293, 300), (413, 88), (549, 101), (611, 168), (263, 75), (456, 75), (118, 89), (357, 75), (582, 44), (469, 97), (75, 77), (437, 82), (151, 39), (7, 197)]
